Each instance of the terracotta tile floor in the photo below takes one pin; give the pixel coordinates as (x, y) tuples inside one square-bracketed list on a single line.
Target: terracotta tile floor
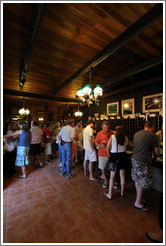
[(47, 208)]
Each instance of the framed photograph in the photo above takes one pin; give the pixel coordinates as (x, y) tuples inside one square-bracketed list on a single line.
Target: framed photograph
[(128, 107), (113, 108), (46, 116), (96, 115), (153, 103)]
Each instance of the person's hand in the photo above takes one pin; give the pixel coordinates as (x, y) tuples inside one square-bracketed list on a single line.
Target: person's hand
[(158, 133)]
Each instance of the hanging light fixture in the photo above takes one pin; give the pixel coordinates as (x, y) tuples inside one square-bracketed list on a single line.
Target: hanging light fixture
[(78, 113), (23, 111), (85, 94)]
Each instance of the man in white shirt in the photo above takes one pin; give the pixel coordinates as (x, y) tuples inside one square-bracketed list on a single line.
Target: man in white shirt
[(90, 153), (37, 136), (67, 136)]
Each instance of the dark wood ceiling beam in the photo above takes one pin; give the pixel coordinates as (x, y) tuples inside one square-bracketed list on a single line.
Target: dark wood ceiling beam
[(36, 17), (137, 69), (153, 15), (37, 96), (134, 86)]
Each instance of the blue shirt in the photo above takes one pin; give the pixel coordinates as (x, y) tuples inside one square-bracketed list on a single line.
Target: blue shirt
[(24, 138)]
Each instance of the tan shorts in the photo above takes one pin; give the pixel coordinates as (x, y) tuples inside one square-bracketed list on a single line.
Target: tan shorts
[(47, 147), (102, 162), (90, 155)]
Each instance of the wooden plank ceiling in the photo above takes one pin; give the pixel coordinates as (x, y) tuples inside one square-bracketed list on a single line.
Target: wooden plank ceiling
[(72, 37)]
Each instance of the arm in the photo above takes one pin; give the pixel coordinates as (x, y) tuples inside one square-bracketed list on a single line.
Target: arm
[(130, 143), (97, 144), (13, 134), (31, 138), (100, 145), (157, 151), (72, 139), (109, 146), (41, 138), (91, 142), (156, 145)]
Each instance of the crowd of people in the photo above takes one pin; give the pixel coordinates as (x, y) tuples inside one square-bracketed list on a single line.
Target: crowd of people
[(76, 143)]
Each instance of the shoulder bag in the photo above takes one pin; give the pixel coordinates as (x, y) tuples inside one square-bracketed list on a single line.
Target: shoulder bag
[(113, 165), (8, 146)]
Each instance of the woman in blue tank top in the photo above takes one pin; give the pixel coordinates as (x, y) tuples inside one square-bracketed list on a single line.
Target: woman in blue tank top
[(22, 158)]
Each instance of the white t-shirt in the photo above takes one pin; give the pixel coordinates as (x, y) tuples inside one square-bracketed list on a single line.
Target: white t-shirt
[(67, 133), (120, 147), (36, 134), (87, 133)]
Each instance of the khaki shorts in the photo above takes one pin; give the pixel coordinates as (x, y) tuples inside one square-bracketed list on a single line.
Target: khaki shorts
[(47, 147), (102, 162), (90, 155)]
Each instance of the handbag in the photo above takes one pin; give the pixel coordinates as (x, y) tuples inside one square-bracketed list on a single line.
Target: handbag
[(62, 142), (8, 146), (113, 165)]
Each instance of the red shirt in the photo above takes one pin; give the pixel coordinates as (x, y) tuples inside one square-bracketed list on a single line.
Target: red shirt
[(102, 138), (46, 132)]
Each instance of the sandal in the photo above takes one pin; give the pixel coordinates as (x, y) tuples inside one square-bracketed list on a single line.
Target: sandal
[(144, 208), (21, 177), (105, 194)]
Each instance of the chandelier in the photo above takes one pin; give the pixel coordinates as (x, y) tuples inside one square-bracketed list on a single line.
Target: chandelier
[(24, 111), (86, 96), (78, 113)]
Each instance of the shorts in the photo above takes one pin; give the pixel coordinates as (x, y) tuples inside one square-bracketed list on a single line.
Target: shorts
[(90, 155), (47, 147), (142, 174), (36, 149), (102, 162)]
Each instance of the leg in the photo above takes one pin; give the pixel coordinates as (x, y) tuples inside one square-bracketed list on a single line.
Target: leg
[(46, 158), (139, 193), (91, 171), (68, 157), (76, 154), (157, 237), (37, 157), (60, 155), (84, 165), (103, 175), (111, 184), (63, 151), (122, 180), (23, 172)]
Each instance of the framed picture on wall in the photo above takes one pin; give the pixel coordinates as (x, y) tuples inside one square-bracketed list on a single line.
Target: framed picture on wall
[(113, 108), (153, 103), (128, 107), (46, 116)]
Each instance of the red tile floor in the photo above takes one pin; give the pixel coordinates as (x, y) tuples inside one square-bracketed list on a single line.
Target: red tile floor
[(47, 208)]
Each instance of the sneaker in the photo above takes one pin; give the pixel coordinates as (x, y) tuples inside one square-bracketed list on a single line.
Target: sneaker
[(69, 177), (115, 185), (105, 184)]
